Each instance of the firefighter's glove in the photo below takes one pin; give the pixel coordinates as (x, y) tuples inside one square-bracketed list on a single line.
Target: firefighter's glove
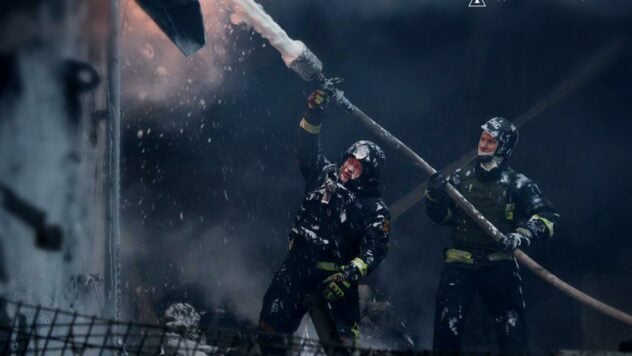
[(435, 188), (316, 111), (318, 100), (336, 285), (520, 238)]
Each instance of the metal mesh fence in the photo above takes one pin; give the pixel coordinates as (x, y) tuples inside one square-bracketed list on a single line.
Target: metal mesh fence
[(37, 330)]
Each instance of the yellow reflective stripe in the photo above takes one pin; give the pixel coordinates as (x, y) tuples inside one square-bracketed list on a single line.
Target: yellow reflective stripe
[(548, 223), (355, 330), (454, 255), (328, 266), (313, 129), (360, 265), (429, 197), (509, 211)]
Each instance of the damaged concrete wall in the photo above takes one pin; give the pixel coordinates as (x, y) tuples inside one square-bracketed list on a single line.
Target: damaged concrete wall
[(52, 152)]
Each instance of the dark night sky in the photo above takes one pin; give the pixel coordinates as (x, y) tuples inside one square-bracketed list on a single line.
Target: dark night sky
[(210, 192)]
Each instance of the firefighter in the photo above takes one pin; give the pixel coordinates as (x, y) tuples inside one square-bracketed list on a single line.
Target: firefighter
[(340, 233), (475, 263)]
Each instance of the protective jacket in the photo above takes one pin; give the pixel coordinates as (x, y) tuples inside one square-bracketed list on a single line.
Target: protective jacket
[(506, 198), (337, 222), (477, 264), (337, 226)]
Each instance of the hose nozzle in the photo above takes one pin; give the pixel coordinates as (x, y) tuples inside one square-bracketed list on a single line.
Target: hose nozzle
[(307, 65)]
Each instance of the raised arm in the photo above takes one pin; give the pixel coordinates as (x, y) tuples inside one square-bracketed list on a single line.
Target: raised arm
[(310, 157)]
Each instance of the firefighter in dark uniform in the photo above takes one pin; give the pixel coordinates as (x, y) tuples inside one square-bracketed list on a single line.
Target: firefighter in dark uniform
[(340, 234), (476, 263)]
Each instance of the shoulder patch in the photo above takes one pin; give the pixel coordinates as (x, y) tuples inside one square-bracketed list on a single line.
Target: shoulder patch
[(386, 227)]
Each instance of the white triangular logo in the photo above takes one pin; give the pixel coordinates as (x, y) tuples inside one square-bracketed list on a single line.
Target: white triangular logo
[(477, 3)]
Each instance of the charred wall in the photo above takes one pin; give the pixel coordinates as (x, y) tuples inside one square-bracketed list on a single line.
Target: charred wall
[(52, 151)]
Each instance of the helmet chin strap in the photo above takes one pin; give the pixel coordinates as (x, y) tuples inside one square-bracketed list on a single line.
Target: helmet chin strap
[(488, 161)]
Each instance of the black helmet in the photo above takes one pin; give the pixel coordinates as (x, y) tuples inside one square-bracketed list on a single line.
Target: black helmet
[(505, 133), (371, 156)]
